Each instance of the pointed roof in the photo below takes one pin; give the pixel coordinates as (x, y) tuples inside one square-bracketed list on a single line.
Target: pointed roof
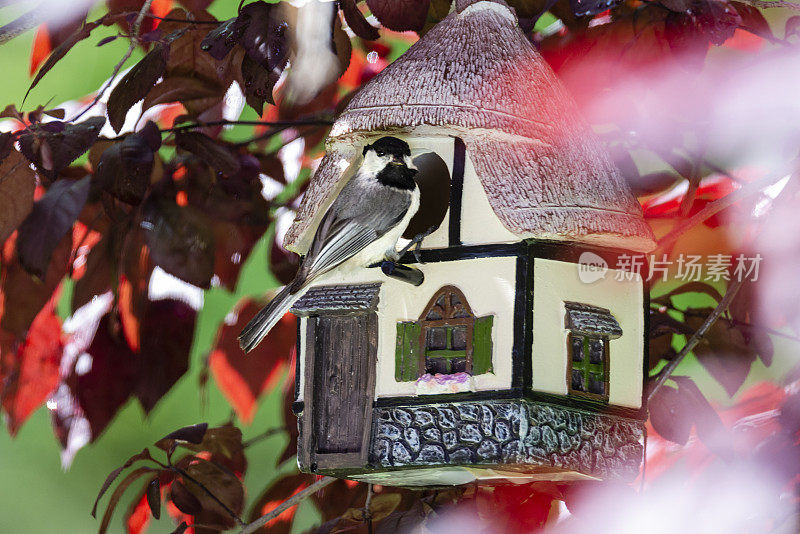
[(475, 75)]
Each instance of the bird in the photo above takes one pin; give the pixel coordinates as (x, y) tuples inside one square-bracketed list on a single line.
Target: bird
[(360, 228)]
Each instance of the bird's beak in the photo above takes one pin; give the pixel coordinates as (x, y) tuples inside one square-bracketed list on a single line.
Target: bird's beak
[(397, 161)]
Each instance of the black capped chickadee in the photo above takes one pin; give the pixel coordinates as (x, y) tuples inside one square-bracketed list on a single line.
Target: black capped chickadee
[(360, 228)]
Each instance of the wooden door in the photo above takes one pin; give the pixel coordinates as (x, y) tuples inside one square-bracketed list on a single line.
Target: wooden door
[(343, 386)]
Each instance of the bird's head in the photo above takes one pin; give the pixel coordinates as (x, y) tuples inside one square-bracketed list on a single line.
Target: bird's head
[(387, 151)]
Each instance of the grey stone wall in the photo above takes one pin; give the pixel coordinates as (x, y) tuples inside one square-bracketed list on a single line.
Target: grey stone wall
[(507, 432)]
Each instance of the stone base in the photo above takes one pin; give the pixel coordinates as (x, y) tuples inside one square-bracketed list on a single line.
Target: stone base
[(504, 440), (516, 433)]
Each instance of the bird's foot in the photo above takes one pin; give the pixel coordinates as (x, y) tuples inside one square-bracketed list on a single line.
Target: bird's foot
[(415, 245)]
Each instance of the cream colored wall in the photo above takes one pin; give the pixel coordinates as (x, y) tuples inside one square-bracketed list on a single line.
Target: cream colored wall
[(556, 282), (479, 224), (488, 284)]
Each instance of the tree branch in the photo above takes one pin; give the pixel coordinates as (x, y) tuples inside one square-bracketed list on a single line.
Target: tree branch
[(25, 22), (264, 435), (137, 24), (368, 509), (288, 503), (303, 121), (667, 371), (718, 205)]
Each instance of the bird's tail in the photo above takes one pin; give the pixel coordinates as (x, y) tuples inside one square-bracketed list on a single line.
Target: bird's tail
[(260, 325)]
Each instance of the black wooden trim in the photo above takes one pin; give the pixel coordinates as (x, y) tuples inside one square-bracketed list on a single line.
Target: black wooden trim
[(466, 252), (520, 351), (298, 407), (417, 400), (456, 191), (571, 252), (586, 405), (298, 355)]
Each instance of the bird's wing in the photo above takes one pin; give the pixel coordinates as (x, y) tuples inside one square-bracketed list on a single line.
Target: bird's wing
[(351, 224), (345, 241)]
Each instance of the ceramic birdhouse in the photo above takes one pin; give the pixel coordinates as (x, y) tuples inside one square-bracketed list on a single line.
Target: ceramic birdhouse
[(521, 355)]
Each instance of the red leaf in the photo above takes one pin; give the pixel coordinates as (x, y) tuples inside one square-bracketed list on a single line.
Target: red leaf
[(400, 15), (41, 48), (243, 378), (138, 517), (161, 8), (276, 494), (33, 374)]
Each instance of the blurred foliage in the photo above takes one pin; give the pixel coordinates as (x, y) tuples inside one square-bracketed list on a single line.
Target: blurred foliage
[(189, 189)]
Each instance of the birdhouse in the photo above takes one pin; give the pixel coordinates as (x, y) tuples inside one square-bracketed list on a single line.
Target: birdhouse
[(521, 355)]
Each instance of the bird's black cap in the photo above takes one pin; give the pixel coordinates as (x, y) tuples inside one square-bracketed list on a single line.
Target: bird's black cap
[(389, 145)]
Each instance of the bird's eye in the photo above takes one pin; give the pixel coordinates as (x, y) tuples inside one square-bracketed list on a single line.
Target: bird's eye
[(380, 153)]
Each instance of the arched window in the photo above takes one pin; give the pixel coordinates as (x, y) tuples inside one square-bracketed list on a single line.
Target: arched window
[(446, 328), (446, 339)]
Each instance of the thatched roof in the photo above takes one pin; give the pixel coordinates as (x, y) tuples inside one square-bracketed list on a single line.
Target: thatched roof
[(475, 75)]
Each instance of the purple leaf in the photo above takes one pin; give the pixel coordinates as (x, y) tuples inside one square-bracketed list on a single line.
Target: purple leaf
[(136, 84), (52, 151), (669, 415), (50, 219), (400, 15), (192, 434), (153, 494), (209, 151), (355, 19), (180, 239)]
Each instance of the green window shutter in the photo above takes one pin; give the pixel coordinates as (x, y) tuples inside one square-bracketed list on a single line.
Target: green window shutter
[(406, 358), (482, 345)]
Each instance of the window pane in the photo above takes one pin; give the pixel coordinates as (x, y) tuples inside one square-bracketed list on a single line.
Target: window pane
[(578, 383), (458, 365), (595, 350), (577, 349), (596, 384), (436, 338), (459, 338), (436, 365)]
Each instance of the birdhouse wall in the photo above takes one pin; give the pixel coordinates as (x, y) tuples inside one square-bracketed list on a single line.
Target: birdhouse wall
[(621, 293), (479, 222), (488, 285)]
